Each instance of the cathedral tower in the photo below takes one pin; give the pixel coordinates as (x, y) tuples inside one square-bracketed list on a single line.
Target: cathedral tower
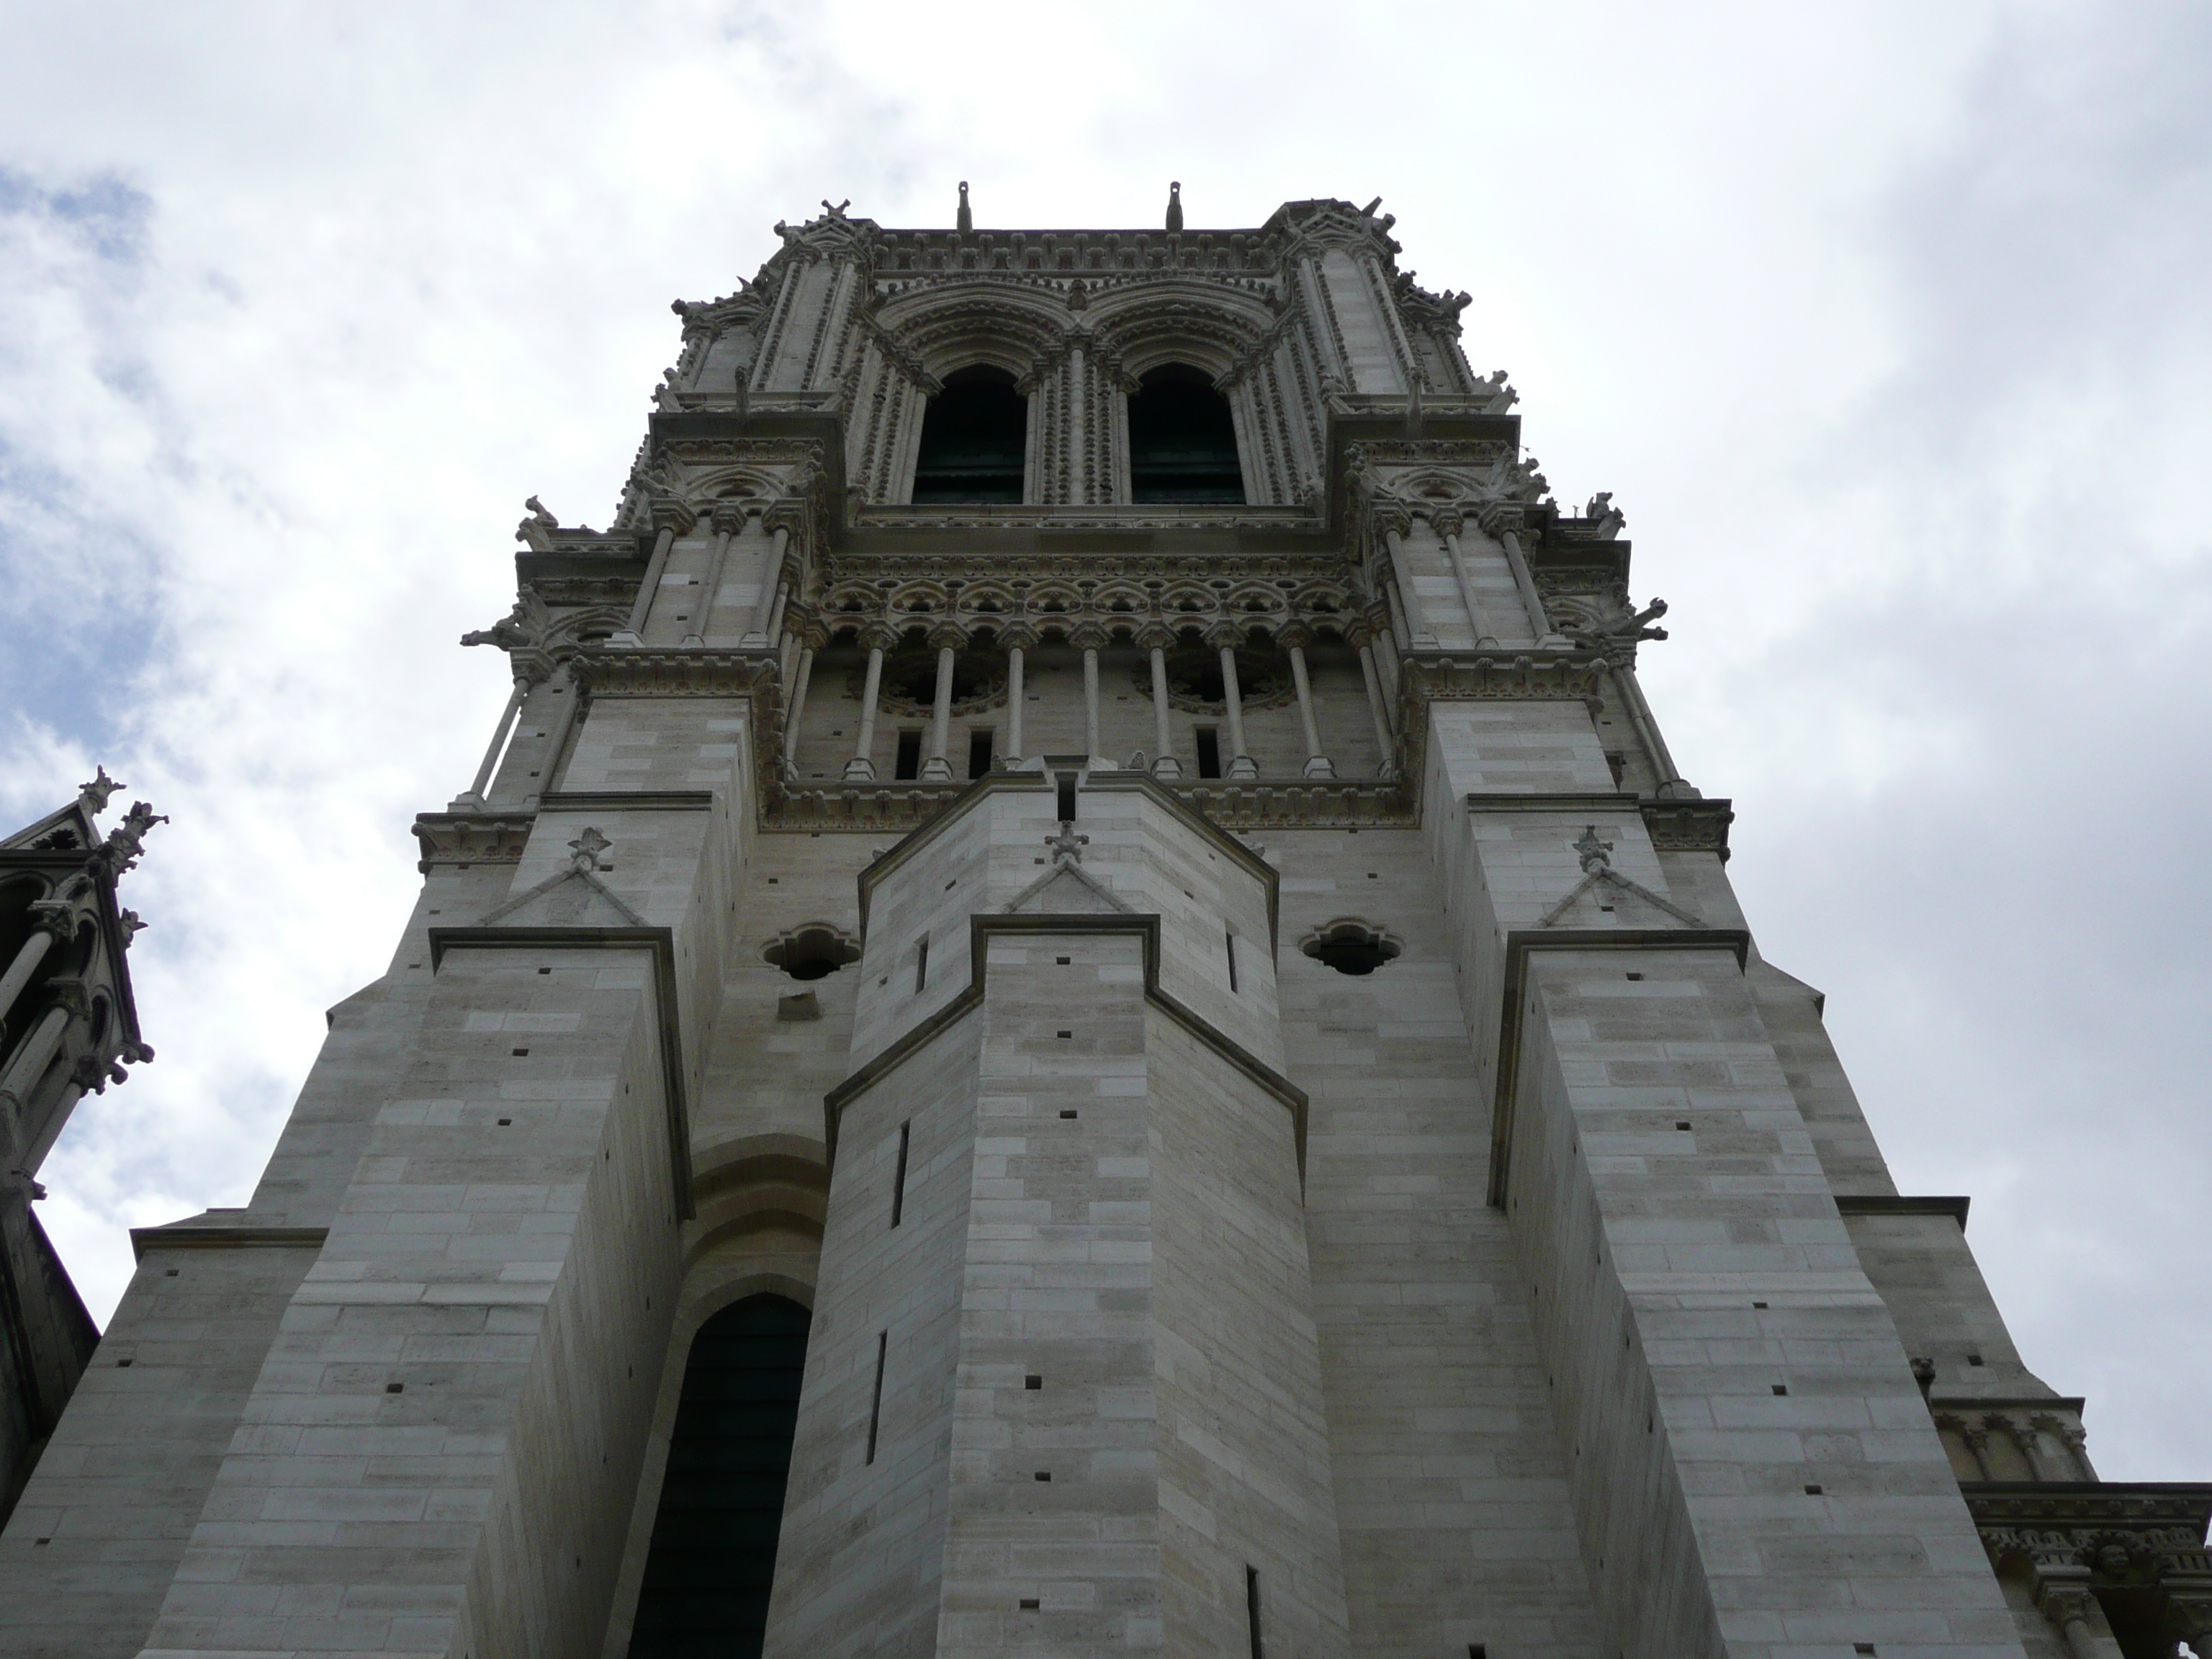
[(1078, 1010)]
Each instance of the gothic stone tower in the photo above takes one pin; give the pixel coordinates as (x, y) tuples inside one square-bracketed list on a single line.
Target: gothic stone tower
[(1078, 1011)]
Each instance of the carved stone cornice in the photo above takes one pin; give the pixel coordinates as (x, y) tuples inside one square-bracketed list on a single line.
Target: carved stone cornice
[(657, 673), (1524, 676), (1689, 826), (471, 837)]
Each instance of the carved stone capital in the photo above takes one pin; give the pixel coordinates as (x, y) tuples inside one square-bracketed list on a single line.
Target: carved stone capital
[(1225, 636), (877, 636), (1154, 636), (1294, 636), (1089, 635), (670, 511), (729, 517), (1501, 518), (1019, 634), (56, 918), (948, 636)]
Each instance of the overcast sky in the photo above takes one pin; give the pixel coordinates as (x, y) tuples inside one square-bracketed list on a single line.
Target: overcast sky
[(1885, 324)]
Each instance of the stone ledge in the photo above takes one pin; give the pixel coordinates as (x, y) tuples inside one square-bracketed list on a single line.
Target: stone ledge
[(1891, 1204)]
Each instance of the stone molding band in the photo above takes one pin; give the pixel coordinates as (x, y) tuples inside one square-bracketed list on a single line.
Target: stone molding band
[(1890, 1204), (661, 943), (184, 1235)]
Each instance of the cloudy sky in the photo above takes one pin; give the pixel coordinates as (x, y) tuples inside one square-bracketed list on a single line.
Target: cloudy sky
[(1885, 324)]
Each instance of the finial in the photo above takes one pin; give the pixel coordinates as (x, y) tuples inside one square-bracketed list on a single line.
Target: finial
[(93, 796), (588, 848), (1066, 845), (966, 221), (1175, 206)]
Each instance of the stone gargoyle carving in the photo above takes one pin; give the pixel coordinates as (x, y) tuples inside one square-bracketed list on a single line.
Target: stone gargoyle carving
[(1606, 521)]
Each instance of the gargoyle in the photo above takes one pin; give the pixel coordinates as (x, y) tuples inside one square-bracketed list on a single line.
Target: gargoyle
[(537, 531), (1605, 519), (512, 632)]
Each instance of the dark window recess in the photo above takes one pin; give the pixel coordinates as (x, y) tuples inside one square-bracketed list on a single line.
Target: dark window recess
[(973, 435), (921, 965), (1209, 752), (898, 1180), (1230, 937), (1067, 800), (713, 1555), (1252, 1610), (979, 753), (1183, 441), (909, 764)]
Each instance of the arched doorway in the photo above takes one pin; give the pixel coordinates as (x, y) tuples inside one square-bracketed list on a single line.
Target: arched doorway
[(713, 1556)]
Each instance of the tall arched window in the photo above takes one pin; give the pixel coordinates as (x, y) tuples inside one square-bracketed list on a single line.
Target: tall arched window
[(1182, 443), (973, 436), (713, 1555)]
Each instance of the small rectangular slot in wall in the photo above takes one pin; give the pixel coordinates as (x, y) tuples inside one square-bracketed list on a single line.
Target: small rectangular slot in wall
[(1229, 937), (1209, 751), (909, 764), (1252, 1611), (875, 1400), (921, 964), (979, 752), (1067, 800), (898, 1180)]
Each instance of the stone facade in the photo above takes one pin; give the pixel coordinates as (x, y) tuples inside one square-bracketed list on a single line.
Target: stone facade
[(1226, 1012)]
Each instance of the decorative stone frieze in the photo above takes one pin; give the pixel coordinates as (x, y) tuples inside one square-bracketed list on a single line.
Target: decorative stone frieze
[(1688, 826), (467, 838)]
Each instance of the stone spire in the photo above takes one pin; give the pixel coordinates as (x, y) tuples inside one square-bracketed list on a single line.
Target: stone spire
[(966, 221), (1175, 206)]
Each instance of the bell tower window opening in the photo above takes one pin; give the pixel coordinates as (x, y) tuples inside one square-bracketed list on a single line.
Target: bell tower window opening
[(1183, 439), (974, 435)]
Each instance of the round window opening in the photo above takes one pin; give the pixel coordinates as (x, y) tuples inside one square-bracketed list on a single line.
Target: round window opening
[(1351, 947), (808, 953)]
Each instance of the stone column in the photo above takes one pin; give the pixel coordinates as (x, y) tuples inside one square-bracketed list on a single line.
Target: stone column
[(763, 627), (475, 797), (795, 712), (51, 924), (1089, 637), (936, 768), (1446, 525), (861, 768), (563, 730), (670, 518), (1225, 638), (1318, 764), (1419, 634), (33, 1055), (1505, 524), (1018, 639), (729, 519), (1672, 785), (1385, 649), (1377, 708), (2066, 1605), (1156, 639)]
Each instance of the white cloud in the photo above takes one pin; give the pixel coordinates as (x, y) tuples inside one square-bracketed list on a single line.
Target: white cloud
[(1884, 323)]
